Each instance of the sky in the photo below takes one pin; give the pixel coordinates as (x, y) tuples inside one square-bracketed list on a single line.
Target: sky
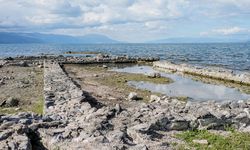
[(129, 20)]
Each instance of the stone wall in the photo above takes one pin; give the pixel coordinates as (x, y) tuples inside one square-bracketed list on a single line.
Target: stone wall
[(37, 60), (212, 72)]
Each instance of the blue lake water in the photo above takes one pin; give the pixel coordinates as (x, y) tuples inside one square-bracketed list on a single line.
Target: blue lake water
[(234, 56)]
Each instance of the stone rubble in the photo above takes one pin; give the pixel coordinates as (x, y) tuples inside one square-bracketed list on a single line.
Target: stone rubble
[(73, 120)]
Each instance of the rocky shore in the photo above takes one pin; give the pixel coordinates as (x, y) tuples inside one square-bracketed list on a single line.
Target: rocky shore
[(25, 61), (73, 119), (210, 72)]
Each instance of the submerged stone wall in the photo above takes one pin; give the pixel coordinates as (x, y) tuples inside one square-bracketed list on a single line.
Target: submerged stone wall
[(212, 72)]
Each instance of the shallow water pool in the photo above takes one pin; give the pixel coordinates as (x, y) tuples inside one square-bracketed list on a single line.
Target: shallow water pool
[(184, 86)]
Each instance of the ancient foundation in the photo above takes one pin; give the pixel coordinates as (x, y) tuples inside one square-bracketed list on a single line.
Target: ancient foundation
[(73, 120), (211, 72)]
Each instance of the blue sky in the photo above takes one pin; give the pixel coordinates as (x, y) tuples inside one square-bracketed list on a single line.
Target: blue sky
[(129, 20)]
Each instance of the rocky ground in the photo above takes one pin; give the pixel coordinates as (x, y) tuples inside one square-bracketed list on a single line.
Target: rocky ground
[(77, 119), (21, 89), (110, 87)]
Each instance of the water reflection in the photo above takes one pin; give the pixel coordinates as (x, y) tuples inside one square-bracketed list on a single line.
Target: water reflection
[(184, 86)]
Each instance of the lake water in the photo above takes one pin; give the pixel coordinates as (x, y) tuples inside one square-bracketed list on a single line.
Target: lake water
[(234, 56), (184, 86)]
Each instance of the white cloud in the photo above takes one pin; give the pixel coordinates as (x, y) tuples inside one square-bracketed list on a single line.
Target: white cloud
[(226, 31), (134, 19), (230, 31)]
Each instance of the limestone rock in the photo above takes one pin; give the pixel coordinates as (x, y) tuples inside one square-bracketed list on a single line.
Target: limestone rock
[(133, 96), (154, 75), (12, 102), (154, 98)]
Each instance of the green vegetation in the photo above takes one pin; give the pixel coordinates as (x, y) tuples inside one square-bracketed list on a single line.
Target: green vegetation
[(241, 87), (234, 140), (182, 98), (92, 68), (38, 106), (8, 110), (215, 78), (124, 77)]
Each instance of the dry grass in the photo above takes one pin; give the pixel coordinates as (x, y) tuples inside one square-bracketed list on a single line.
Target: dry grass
[(27, 86)]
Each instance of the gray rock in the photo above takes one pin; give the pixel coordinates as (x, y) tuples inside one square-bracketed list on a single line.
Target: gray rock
[(25, 121), (139, 147), (118, 109), (5, 134), (2, 82), (12, 102), (154, 75), (116, 136), (203, 142), (24, 142), (154, 98), (3, 103), (23, 64), (234, 105), (138, 132), (179, 125), (160, 124), (243, 118), (104, 66), (133, 96)]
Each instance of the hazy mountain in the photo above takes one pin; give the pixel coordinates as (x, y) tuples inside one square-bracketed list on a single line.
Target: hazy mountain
[(197, 40), (6, 37), (17, 38)]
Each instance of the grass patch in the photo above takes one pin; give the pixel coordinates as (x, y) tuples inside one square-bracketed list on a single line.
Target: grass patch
[(182, 98), (8, 110), (235, 140), (94, 69), (27, 87), (38, 106), (124, 77), (241, 87), (120, 80)]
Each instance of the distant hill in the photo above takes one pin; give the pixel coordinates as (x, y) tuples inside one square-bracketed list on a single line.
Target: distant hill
[(8, 38), (196, 40)]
